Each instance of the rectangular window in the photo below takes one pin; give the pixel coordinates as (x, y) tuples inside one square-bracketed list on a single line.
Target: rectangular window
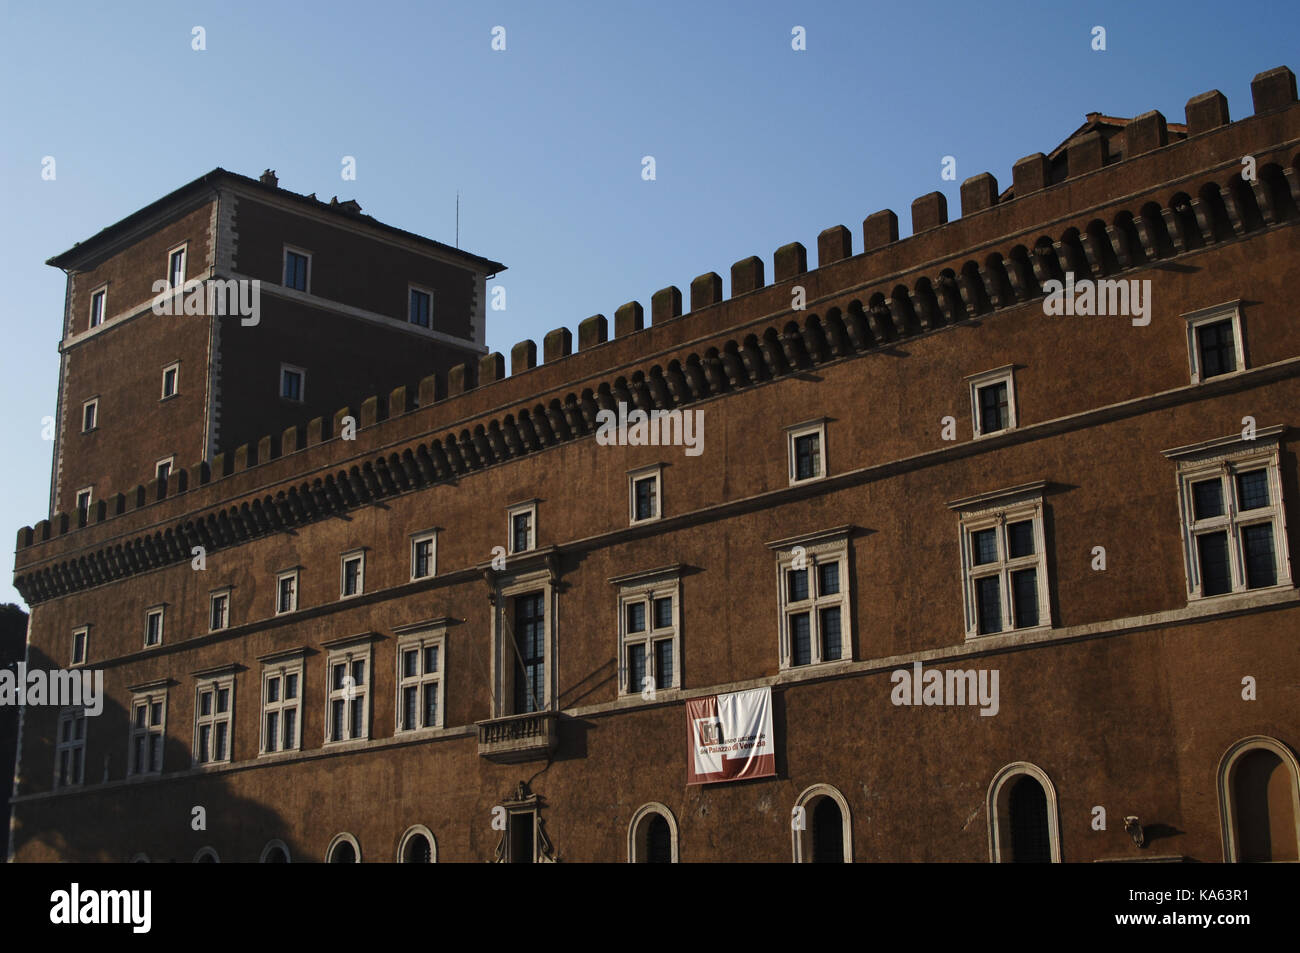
[(297, 265), (170, 380), (1234, 530), (219, 610), (1004, 562), (214, 709), (90, 415), (420, 310), (530, 635), (80, 645), (1214, 341), (83, 502), (644, 493), (293, 383), (424, 555), (176, 268), (163, 468), (70, 748), (419, 681), (353, 574), (993, 403), (523, 526), (286, 592), (281, 704), (98, 301), (813, 599), (348, 715), (649, 633), (806, 445), (148, 726), (153, 626)]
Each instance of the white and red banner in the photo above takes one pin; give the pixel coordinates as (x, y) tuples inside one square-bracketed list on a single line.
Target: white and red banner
[(730, 737)]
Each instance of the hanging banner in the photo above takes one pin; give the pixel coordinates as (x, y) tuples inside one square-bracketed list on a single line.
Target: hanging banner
[(730, 737)]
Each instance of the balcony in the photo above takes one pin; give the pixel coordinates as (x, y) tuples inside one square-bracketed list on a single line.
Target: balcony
[(514, 738)]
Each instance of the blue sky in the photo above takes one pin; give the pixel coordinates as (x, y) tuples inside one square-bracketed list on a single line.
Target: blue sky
[(755, 144)]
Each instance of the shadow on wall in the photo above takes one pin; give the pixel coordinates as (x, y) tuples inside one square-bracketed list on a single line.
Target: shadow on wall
[(13, 643), (119, 820)]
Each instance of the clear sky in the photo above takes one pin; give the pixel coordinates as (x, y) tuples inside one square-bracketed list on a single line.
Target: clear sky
[(755, 144)]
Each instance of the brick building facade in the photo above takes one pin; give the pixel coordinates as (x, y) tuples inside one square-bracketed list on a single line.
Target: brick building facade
[(433, 641)]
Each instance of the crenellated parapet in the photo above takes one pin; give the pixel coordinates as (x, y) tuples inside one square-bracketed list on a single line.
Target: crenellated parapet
[(1111, 217)]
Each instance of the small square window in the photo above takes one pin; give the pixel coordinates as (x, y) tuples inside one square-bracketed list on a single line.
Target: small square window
[(90, 415), (993, 404), (644, 494), (80, 645), (1214, 342), (98, 301), (523, 526), (420, 308), (293, 383), (286, 592), (170, 380), (176, 268), (807, 450), (353, 574), (424, 555), (297, 265), (153, 627)]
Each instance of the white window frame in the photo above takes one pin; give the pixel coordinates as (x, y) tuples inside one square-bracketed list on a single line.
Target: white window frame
[(183, 248), (176, 383), (295, 574), (1225, 458), (977, 382), (213, 596), (74, 747), (161, 612), (422, 290), (433, 637), (998, 813), (636, 847), (281, 667), (89, 492), (284, 262), (802, 835), (302, 384), (655, 473), (996, 511), (100, 294), (529, 507), (431, 537), (214, 719), (93, 403), (147, 699), (349, 694), (814, 550), (169, 462), (82, 631), (645, 588), (804, 429), (1228, 311), (358, 556)]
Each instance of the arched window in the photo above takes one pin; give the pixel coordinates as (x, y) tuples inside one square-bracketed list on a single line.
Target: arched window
[(417, 846), (652, 836), (206, 855), (1259, 801), (821, 827), (343, 849), (1023, 824), (275, 852)]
